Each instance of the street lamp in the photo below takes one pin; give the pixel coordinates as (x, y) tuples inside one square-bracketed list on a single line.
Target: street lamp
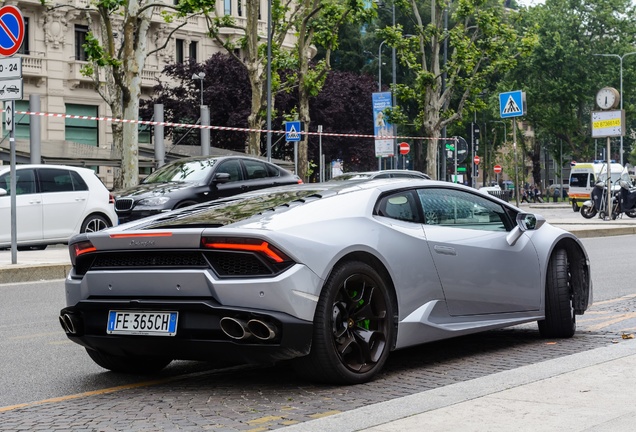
[(505, 139), (199, 76), (380, 66), (269, 81), (621, 90)]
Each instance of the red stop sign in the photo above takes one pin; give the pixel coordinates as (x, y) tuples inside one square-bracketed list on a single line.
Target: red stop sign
[(476, 159), (404, 148), (497, 169)]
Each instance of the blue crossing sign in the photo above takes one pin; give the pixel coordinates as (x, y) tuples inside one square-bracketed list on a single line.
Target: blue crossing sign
[(292, 131), (511, 104), (11, 30)]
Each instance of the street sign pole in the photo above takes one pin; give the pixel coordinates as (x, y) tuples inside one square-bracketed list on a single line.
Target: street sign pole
[(14, 231), (12, 35)]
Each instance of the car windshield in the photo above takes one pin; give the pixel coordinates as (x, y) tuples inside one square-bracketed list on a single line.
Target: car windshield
[(227, 211), (182, 171)]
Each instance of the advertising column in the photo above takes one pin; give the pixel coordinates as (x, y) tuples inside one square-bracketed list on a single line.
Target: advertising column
[(382, 128)]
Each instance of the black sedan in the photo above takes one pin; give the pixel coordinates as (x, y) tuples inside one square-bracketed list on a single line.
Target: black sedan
[(194, 180)]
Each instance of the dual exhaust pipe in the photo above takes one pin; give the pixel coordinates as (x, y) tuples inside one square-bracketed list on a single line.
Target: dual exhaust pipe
[(239, 329), (235, 328), (70, 323)]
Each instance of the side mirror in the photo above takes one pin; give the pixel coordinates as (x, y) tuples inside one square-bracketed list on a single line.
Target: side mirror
[(525, 222), (220, 178), (3, 192)]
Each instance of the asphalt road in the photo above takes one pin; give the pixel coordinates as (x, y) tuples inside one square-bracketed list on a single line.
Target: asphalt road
[(50, 383)]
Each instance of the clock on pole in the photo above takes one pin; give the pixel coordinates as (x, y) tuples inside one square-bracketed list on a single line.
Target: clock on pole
[(608, 98)]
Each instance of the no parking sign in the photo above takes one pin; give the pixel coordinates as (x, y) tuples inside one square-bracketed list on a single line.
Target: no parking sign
[(11, 30)]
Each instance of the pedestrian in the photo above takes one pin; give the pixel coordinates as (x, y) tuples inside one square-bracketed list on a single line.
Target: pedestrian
[(524, 196), (537, 194)]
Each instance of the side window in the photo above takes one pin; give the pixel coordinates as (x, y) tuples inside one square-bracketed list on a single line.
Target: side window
[(255, 169), (461, 209), (400, 206), (25, 182), (55, 180), (272, 171), (233, 168), (78, 182)]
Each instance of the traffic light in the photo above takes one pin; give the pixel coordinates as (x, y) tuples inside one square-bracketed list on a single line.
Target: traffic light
[(475, 137)]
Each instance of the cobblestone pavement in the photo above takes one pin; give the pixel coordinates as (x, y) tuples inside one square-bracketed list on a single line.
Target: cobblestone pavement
[(261, 399)]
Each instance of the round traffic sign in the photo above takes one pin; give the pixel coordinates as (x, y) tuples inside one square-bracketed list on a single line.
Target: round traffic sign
[(476, 159), (497, 169), (11, 30), (404, 148)]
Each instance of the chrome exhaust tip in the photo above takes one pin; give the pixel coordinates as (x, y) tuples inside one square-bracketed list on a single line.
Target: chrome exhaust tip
[(63, 324), (262, 330), (235, 328), (70, 325)]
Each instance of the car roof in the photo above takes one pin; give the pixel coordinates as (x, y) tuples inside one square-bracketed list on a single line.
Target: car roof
[(361, 175), (4, 168)]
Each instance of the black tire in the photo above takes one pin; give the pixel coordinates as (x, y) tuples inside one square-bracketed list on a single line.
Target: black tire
[(575, 207), (185, 204), (94, 223), (129, 364), (560, 321), (631, 213), (588, 212), (353, 327), (32, 248)]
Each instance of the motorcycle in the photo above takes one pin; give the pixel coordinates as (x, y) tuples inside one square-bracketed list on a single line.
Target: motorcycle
[(598, 203), (622, 201), (626, 199)]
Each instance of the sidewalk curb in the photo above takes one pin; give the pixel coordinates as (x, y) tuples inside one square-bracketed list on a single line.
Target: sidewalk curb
[(400, 408), (32, 273)]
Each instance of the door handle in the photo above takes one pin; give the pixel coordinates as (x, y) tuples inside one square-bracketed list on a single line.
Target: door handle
[(445, 250)]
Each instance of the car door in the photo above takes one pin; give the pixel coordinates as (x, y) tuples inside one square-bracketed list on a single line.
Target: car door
[(237, 183), (63, 206), (480, 272), (28, 207), (258, 176)]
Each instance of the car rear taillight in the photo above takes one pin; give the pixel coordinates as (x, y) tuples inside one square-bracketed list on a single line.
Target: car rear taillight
[(80, 248), (300, 181), (239, 244)]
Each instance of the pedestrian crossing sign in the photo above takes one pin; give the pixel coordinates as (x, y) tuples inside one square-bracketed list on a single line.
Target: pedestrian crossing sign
[(511, 104), (292, 131)]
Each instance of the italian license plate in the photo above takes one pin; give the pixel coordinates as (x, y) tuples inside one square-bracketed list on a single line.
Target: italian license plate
[(142, 323)]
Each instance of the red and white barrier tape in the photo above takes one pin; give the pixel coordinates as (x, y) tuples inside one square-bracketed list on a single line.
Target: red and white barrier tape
[(222, 128)]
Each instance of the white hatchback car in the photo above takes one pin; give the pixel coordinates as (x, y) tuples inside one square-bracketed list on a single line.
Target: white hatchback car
[(53, 203)]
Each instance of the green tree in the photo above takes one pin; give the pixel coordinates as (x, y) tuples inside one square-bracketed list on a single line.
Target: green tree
[(564, 72), (122, 59), (253, 50), (482, 43), (318, 23)]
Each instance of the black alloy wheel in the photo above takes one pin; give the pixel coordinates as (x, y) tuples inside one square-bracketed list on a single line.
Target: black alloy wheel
[(353, 327)]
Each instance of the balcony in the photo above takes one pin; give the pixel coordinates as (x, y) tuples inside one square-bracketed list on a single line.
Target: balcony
[(34, 66), (149, 77), (76, 78)]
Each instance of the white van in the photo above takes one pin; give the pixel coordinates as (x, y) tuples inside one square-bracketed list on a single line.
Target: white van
[(583, 177)]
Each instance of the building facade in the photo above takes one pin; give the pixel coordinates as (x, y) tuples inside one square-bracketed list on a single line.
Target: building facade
[(52, 59)]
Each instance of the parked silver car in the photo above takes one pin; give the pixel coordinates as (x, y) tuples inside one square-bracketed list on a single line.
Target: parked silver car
[(333, 276)]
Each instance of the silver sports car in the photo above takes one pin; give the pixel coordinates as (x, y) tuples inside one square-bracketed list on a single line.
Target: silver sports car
[(330, 276)]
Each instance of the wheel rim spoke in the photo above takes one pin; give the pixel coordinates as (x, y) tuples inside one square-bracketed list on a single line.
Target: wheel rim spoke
[(360, 323)]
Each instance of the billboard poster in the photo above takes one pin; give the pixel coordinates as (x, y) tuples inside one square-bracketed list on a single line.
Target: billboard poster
[(381, 128)]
